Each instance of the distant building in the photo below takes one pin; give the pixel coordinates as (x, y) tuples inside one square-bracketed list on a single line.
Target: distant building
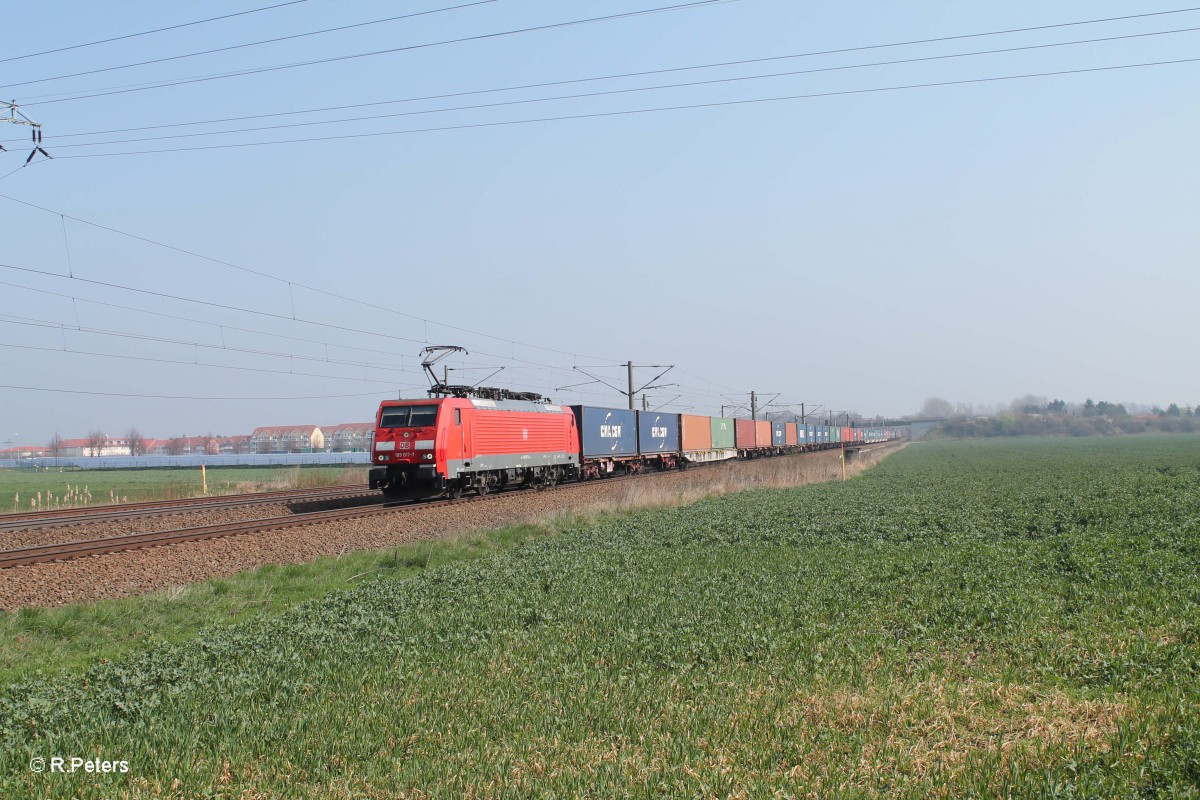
[(349, 437), (27, 451), (287, 439), (86, 448)]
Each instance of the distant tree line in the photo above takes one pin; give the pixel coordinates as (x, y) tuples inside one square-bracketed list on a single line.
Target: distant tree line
[(1060, 418)]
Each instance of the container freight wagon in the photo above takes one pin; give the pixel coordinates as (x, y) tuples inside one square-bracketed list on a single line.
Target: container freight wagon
[(443, 447), (791, 434), (608, 440), (658, 439), (696, 436)]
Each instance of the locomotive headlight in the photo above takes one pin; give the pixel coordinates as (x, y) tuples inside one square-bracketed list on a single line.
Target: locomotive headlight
[(428, 456), (381, 458)]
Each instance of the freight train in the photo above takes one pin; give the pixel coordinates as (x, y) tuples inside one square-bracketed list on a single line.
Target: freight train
[(448, 446)]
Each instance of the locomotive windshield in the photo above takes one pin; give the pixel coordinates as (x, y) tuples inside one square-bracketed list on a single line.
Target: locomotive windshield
[(408, 416)]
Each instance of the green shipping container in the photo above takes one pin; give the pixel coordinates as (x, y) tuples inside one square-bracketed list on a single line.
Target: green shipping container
[(722, 433)]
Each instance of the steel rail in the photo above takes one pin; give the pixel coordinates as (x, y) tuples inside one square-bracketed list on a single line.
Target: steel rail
[(76, 516), (66, 551)]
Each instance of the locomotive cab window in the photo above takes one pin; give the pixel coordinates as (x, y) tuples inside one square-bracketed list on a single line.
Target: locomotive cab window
[(458, 416), (408, 416)]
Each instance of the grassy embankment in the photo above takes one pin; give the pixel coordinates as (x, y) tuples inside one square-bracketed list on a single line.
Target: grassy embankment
[(968, 618), (19, 488)]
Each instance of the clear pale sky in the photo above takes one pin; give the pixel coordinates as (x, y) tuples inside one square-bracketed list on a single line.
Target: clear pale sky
[(861, 251)]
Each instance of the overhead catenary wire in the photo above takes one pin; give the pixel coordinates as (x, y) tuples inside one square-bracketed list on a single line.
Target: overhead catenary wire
[(149, 32), (219, 325), (11, 319), (389, 51), (640, 111), (631, 90), (307, 287), (187, 397), (614, 76), (150, 359), (376, 334)]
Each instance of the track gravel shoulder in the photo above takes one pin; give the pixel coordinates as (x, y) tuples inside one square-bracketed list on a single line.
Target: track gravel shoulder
[(58, 533), (116, 575)]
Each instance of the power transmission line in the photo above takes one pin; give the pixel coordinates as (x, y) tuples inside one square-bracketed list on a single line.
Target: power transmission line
[(372, 53), (631, 90), (615, 76), (155, 30), (248, 44), (638, 111)]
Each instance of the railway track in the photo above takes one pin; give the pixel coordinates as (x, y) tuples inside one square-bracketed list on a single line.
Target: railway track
[(67, 551), (62, 517)]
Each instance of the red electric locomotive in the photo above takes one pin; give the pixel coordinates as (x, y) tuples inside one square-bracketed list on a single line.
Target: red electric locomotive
[(445, 446)]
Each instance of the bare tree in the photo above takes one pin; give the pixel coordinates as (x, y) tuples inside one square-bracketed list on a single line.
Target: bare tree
[(936, 407), (55, 444), (212, 445), (96, 441), (137, 445), (175, 446)]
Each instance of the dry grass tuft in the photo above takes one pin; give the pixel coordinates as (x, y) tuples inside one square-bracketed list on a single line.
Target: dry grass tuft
[(690, 486)]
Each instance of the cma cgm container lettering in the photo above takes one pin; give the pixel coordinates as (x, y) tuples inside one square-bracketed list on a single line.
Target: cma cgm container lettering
[(778, 434), (695, 433), (657, 432), (791, 434), (723, 433), (744, 428), (606, 432), (762, 433)]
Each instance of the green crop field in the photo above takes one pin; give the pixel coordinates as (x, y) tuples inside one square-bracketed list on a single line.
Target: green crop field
[(25, 489), (989, 618)]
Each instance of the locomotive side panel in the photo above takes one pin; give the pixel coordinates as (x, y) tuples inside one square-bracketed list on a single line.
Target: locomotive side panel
[(508, 435)]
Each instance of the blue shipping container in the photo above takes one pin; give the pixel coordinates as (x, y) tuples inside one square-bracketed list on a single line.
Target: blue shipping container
[(778, 434), (606, 432), (657, 432)]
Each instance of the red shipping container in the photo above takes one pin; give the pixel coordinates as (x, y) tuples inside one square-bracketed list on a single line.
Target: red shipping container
[(744, 432), (696, 432), (790, 436), (762, 433)]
